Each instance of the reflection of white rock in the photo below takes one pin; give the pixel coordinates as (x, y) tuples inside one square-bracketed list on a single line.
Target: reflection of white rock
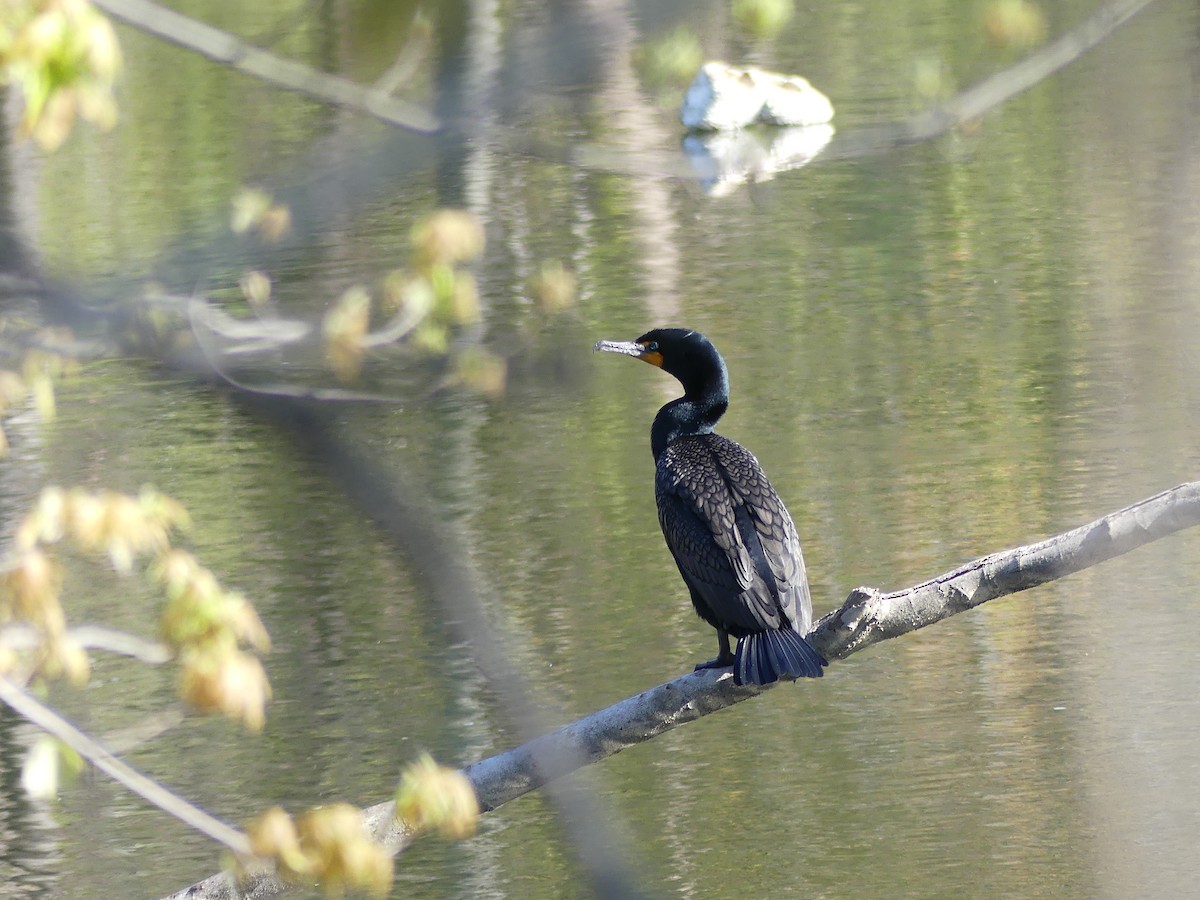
[(725, 159), (721, 97)]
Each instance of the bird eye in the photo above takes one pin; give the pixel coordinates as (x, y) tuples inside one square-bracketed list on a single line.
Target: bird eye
[(652, 346)]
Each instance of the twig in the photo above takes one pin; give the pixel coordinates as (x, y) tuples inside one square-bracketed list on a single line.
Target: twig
[(223, 47), (251, 335), (867, 617), (197, 310), (100, 637), (20, 636), (146, 788)]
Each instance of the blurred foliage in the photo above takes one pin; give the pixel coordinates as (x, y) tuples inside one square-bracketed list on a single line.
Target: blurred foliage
[(40, 365), (256, 288), (762, 18), (204, 624), (256, 211), (48, 766), (421, 306), (437, 798), (441, 242), (1015, 24), (344, 327), (482, 371), (554, 288), (427, 302), (328, 843), (63, 57), (668, 63), (331, 844), (207, 625)]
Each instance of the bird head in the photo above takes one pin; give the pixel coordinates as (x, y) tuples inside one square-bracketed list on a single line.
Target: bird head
[(684, 353)]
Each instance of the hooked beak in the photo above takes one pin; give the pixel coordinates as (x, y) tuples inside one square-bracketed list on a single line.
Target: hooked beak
[(630, 348)]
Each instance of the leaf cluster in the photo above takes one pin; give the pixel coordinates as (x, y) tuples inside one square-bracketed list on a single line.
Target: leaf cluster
[(63, 57), (204, 624)]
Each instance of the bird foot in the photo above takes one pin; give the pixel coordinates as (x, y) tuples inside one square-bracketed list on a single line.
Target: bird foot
[(721, 662)]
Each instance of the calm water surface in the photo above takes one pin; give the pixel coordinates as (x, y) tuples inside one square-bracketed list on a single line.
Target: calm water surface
[(936, 353)]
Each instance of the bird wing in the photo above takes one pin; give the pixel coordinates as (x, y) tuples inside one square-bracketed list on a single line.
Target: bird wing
[(774, 530), (731, 535)]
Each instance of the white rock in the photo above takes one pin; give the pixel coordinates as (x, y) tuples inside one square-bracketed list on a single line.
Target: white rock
[(719, 98), (722, 97), (791, 100)]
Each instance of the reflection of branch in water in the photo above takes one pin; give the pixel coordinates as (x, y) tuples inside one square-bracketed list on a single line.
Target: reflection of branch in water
[(293, 76), (992, 91)]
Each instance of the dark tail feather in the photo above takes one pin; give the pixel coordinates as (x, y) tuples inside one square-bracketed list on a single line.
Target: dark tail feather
[(767, 656)]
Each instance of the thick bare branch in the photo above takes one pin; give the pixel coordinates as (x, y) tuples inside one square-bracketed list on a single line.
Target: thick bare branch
[(867, 617)]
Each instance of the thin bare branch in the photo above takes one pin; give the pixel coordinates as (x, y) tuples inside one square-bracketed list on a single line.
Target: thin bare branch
[(198, 311), (223, 47), (113, 640), (246, 336), (149, 790), (21, 636)]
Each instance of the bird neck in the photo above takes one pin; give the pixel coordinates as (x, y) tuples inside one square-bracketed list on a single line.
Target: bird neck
[(688, 415)]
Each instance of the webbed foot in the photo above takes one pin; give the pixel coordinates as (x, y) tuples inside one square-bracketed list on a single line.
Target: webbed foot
[(724, 658)]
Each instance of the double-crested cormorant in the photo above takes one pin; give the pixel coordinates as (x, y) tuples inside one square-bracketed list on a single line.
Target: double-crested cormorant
[(730, 534)]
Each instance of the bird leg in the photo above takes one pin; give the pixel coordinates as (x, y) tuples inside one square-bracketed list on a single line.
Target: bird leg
[(724, 655)]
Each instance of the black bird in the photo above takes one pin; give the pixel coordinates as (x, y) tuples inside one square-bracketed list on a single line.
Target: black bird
[(730, 534)]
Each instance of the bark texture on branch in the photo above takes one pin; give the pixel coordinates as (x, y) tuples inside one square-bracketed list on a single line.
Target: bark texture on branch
[(868, 616)]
